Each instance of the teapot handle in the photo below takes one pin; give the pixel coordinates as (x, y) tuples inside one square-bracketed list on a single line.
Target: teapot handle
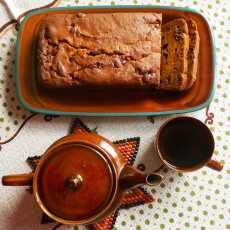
[(18, 179)]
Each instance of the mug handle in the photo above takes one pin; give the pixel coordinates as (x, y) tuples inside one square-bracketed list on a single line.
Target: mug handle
[(18, 179), (216, 165)]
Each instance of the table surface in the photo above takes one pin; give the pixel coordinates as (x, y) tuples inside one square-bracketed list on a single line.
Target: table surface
[(198, 200)]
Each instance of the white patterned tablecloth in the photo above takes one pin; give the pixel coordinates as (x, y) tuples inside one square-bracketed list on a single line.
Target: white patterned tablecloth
[(197, 201)]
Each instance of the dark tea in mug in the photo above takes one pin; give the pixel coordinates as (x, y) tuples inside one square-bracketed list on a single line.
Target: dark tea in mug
[(185, 143)]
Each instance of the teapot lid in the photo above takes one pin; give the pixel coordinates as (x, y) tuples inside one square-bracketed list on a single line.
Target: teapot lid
[(75, 182)]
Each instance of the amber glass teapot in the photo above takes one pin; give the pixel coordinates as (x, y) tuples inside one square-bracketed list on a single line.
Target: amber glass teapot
[(81, 179)]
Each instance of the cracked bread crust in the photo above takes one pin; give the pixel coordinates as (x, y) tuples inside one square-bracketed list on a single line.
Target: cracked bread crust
[(100, 50), (174, 59)]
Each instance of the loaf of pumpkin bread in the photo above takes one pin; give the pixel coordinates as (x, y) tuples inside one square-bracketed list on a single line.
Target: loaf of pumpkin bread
[(100, 50)]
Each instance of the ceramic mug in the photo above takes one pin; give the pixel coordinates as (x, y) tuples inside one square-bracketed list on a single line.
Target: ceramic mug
[(186, 144)]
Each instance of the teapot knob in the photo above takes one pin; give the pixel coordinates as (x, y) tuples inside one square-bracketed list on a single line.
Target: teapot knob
[(74, 182)]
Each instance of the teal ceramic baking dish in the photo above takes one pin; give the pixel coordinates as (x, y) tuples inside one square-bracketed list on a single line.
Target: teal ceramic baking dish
[(104, 103)]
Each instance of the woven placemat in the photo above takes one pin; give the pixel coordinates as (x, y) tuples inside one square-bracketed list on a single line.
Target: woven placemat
[(134, 197)]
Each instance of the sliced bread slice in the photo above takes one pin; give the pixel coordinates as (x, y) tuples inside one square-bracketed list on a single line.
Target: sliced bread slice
[(193, 53), (174, 55)]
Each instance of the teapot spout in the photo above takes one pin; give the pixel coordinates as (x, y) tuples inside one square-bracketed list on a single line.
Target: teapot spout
[(131, 177)]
